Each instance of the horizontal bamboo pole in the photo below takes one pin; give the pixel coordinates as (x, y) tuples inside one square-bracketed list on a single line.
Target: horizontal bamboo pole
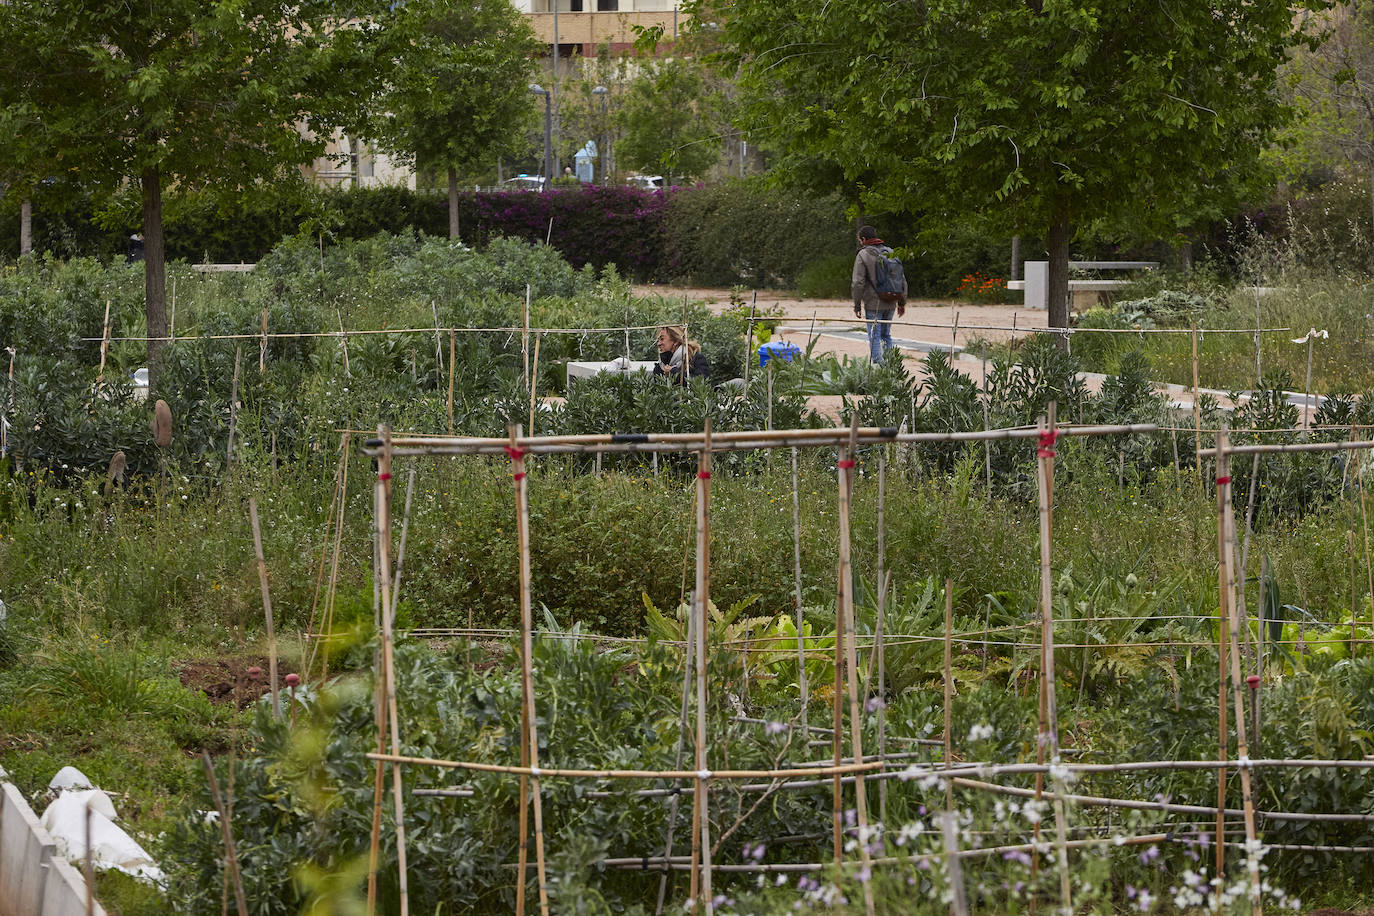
[(293, 335), (411, 445), (1098, 801), (912, 772), (1131, 766), (681, 863), (1346, 446), (896, 323), (627, 774)]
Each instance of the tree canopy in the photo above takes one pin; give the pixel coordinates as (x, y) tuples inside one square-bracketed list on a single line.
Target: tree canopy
[(460, 92), (200, 93), (1043, 116)]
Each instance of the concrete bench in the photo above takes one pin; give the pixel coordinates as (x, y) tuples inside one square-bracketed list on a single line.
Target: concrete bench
[(1037, 282)]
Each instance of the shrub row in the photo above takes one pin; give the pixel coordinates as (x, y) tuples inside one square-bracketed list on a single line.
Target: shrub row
[(736, 233)]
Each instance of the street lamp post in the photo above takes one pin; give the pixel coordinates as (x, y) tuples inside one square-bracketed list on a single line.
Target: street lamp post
[(603, 151), (548, 130)]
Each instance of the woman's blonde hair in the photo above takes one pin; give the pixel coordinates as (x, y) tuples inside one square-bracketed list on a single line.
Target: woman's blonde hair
[(678, 334)]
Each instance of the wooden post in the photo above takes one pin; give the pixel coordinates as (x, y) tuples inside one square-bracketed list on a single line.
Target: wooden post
[(845, 466), (529, 785), (266, 606), (701, 812), (389, 654), (104, 345), (1237, 680)]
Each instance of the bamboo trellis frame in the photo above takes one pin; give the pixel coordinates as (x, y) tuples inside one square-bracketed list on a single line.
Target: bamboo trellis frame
[(857, 767)]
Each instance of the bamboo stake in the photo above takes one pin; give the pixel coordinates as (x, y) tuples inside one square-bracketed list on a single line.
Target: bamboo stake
[(438, 347), (879, 649), (233, 408), (266, 606), (230, 854), (1223, 637), (1241, 605), (851, 665), (949, 831), (388, 653), (525, 337), (1237, 681), (837, 733), (1197, 414), (262, 344), (687, 659), (797, 586), (344, 340), (529, 733), (749, 343), (335, 510), (534, 380), (1048, 704), (452, 364), (405, 531), (378, 706), (700, 802), (949, 692)]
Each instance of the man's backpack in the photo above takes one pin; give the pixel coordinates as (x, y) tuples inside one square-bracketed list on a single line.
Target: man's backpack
[(889, 279)]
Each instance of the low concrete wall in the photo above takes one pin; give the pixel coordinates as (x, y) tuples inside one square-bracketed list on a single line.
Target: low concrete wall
[(34, 879)]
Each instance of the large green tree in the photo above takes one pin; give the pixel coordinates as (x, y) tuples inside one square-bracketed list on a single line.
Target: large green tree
[(193, 93), (1333, 88), (666, 122), (1046, 117), (460, 94)]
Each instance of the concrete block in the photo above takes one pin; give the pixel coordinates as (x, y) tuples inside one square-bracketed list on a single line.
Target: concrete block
[(25, 850), (1037, 284), (65, 891)]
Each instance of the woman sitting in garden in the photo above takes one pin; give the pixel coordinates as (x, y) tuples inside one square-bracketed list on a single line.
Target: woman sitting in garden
[(679, 358)]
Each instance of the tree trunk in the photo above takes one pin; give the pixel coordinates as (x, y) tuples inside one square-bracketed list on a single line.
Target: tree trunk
[(453, 203), (26, 228), (154, 272), (1058, 244)]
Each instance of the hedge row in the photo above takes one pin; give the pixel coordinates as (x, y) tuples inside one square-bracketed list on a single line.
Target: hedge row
[(735, 233)]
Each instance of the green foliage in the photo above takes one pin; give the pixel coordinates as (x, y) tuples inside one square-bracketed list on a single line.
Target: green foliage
[(744, 232), (1048, 116), (459, 96), (665, 120)]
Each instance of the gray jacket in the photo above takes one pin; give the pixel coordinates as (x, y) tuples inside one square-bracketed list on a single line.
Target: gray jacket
[(864, 293)]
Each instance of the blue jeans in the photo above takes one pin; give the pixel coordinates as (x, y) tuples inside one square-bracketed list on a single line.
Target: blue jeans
[(879, 335)]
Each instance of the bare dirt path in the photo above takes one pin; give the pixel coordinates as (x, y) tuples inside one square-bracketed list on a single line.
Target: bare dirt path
[(927, 325)]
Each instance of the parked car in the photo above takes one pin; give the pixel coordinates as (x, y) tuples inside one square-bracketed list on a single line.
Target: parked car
[(647, 182), (523, 183)]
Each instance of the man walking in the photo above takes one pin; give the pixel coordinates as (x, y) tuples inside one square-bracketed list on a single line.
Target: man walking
[(879, 289)]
